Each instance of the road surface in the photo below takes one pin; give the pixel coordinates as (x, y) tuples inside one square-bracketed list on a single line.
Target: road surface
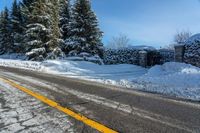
[(123, 110)]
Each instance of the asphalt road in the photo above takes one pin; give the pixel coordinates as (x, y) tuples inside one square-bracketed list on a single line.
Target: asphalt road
[(125, 111)]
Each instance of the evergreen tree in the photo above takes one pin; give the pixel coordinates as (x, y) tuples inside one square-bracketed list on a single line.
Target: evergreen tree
[(65, 18), (2, 50), (37, 25), (5, 33), (53, 11), (86, 35), (55, 42), (27, 3), (17, 29), (26, 8), (43, 33)]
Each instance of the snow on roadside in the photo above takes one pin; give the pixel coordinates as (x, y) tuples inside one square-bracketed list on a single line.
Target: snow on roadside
[(175, 79), (178, 79), (13, 56), (94, 71), (21, 64)]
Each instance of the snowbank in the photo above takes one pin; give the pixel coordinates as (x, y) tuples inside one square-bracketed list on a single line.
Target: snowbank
[(30, 65), (83, 69), (13, 56), (175, 79)]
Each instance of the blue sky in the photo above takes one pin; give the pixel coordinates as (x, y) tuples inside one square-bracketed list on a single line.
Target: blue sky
[(149, 22)]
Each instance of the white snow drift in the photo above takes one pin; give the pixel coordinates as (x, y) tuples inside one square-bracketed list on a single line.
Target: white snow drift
[(176, 79)]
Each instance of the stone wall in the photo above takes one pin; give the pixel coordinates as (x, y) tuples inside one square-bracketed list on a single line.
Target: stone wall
[(166, 55), (121, 56), (142, 57)]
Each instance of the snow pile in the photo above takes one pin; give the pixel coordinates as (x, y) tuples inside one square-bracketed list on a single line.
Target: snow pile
[(177, 79), (30, 65), (13, 56), (87, 70), (84, 56)]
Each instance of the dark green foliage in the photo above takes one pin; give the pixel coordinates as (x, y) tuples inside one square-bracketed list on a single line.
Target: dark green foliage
[(65, 18), (37, 32), (53, 10), (17, 27), (41, 25), (86, 35), (5, 33)]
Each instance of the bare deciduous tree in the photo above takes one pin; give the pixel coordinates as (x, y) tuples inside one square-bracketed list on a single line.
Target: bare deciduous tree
[(120, 41), (181, 37)]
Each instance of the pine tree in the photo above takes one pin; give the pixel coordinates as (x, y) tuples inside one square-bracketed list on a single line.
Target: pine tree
[(43, 33), (5, 33), (86, 35), (55, 43), (26, 9), (53, 11), (27, 3), (2, 50), (65, 18), (37, 24), (17, 29)]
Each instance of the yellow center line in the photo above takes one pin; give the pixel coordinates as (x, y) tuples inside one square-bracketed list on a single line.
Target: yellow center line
[(67, 111)]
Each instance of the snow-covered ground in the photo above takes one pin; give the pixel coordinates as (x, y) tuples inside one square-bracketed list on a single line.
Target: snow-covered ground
[(175, 79)]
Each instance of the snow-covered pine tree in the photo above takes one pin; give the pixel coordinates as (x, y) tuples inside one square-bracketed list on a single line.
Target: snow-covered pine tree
[(42, 34), (86, 35), (55, 42), (26, 8), (38, 31), (5, 32), (2, 50), (27, 3), (17, 29), (65, 17), (53, 11)]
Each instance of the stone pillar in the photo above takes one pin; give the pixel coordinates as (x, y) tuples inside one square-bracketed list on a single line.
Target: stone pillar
[(143, 58), (179, 53)]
